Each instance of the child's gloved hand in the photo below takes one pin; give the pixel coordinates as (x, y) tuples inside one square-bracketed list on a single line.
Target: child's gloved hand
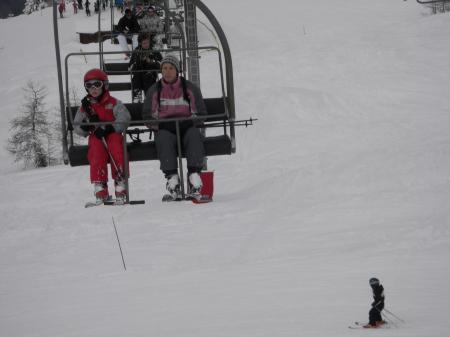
[(103, 131), (86, 104), (94, 119)]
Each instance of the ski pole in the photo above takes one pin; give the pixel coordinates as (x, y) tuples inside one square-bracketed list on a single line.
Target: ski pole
[(387, 319), (119, 172), (180, 157), (393, 315)]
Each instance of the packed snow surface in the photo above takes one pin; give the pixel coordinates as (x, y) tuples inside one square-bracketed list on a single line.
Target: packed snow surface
[(344, 176)]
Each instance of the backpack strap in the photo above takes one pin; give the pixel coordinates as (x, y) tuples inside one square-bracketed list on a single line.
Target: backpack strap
[(185, 93), (158, 91), (183, 86)]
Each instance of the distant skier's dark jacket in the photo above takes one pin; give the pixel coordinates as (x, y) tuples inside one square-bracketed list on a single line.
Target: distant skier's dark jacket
[(145, 59), (128, 25), (378, 297)]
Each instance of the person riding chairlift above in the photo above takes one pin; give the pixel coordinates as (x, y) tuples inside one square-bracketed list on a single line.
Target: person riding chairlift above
[(144, 65), (150, 22), (128, 27)]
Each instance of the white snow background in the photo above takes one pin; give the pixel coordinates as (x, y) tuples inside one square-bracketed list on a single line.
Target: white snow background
[(344, 176)]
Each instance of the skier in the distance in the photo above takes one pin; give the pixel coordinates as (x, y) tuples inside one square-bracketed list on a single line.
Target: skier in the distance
[(375, 319), (61, 8), (99, 106)]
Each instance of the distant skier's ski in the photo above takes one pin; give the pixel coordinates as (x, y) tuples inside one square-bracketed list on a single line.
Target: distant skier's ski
[(355, 327), (359, 325)]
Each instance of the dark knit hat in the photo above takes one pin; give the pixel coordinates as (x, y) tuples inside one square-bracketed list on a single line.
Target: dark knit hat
[(173, 60)]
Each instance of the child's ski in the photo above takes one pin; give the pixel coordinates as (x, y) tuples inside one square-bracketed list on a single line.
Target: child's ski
[(93, 203), (113, 202), (120, 202)]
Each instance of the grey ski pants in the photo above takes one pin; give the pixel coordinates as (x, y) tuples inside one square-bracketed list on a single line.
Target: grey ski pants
[(191, 143)]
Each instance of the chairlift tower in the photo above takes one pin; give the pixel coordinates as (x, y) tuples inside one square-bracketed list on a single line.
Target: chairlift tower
[(193, 69)]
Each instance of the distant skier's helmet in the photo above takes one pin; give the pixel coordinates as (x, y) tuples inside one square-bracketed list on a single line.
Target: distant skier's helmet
[(97, 74), (374, 281)]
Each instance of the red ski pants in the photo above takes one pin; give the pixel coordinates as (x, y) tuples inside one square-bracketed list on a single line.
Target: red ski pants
[(98, 156)]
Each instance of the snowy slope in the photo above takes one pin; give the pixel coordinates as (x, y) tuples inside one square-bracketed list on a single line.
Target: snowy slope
[(345, 176)]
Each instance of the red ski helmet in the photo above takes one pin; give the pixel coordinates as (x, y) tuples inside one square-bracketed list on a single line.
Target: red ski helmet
[(97, 74)]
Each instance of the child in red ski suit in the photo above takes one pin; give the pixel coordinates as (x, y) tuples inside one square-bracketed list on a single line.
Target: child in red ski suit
[(100, 106)]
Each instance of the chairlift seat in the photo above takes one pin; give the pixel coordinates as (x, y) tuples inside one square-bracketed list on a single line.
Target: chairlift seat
[(118, 68), (86, 38), (119, 86), (146, 150), (139, 151)]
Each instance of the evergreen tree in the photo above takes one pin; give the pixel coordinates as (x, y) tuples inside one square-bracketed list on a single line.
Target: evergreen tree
[(74, 101), (54, 140), (33, 5), (29, 142)]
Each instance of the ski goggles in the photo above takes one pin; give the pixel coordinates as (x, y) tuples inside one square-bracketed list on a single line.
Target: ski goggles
[(95, 83)]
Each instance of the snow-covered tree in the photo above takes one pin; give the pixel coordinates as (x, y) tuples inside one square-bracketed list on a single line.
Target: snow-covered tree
[(33, 5), (29, 142), (75, 101), (54, 149)]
